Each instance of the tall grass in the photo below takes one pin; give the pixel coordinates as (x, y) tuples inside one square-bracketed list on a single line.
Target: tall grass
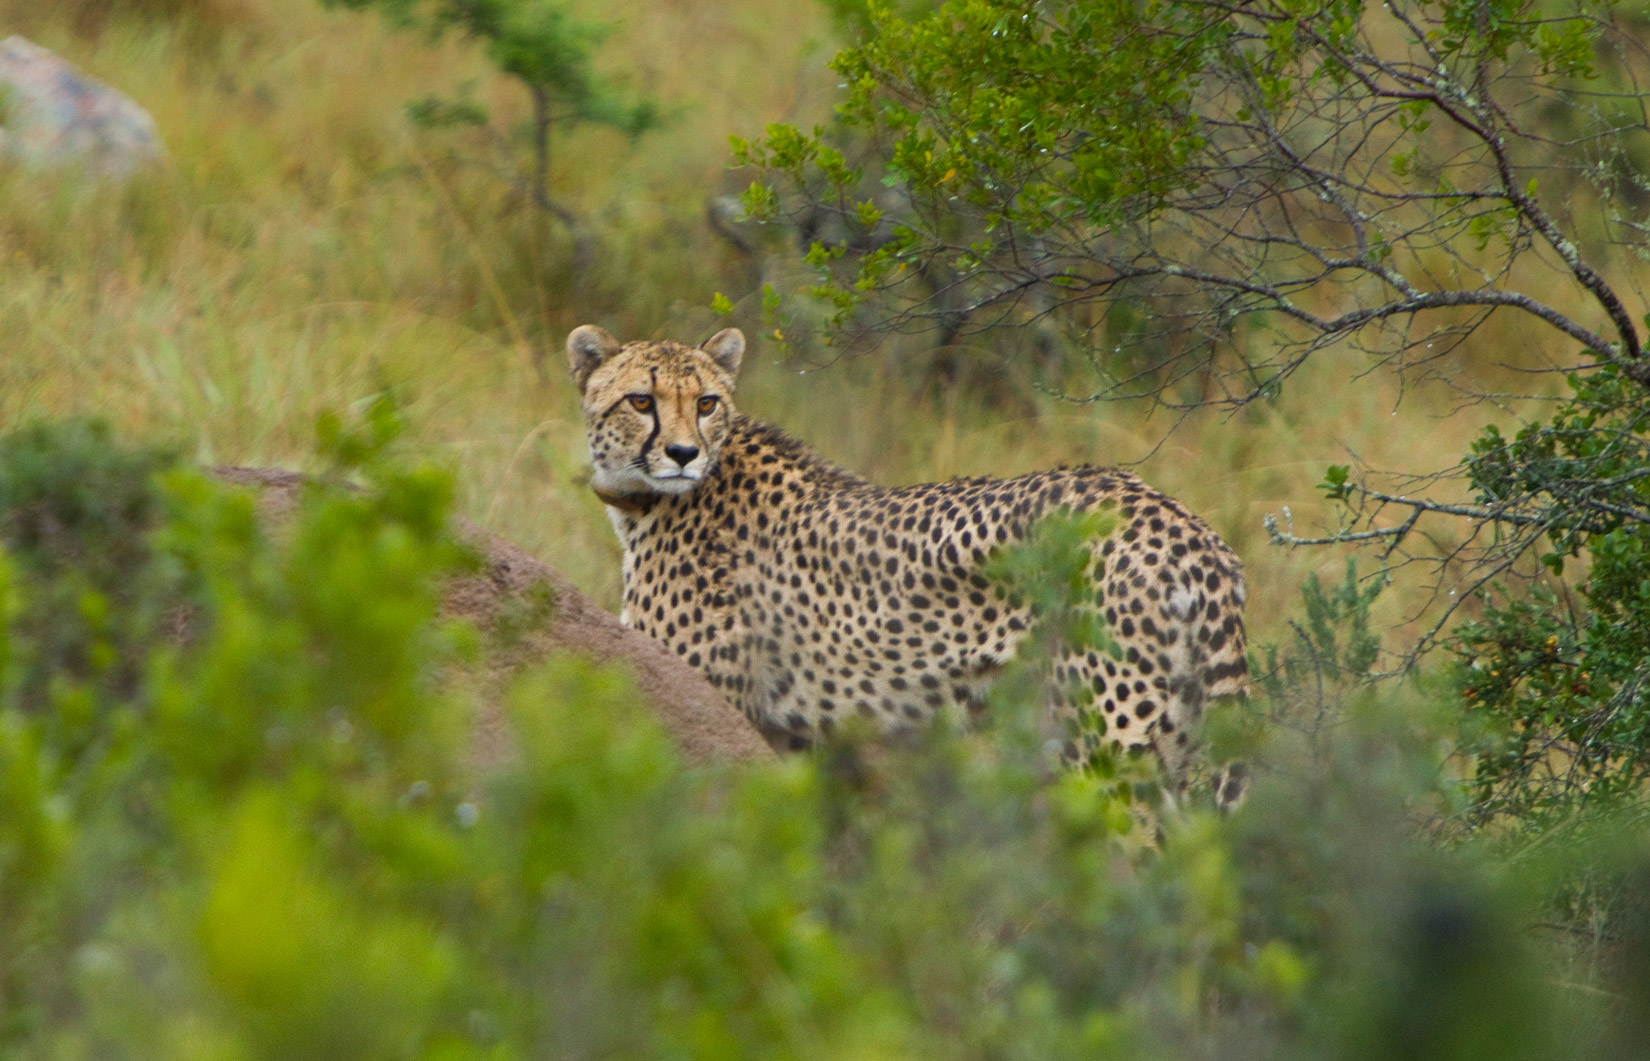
[(306, 248)]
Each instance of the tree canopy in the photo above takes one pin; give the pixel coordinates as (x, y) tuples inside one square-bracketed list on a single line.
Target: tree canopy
[(1287, 174)]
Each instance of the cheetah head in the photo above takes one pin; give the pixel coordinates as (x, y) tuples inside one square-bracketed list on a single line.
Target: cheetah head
[(656, 414)]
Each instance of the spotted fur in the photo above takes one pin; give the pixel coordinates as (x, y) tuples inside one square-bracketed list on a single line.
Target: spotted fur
[(808, 595)]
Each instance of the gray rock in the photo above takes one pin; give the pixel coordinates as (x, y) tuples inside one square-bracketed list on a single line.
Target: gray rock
[(52, 115)]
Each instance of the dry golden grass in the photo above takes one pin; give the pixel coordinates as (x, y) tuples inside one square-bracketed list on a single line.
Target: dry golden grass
[(307, 249)]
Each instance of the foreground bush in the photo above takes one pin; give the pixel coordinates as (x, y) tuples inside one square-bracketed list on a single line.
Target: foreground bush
[(238, 819)]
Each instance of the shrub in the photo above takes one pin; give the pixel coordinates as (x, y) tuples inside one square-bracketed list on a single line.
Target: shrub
[(271, 842), (1558, 677)]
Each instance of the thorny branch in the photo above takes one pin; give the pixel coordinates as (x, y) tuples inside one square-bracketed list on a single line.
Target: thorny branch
[(1303, 224)]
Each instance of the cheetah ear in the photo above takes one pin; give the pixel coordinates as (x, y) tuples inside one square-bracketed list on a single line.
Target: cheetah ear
[(587, 348), (727, 349)]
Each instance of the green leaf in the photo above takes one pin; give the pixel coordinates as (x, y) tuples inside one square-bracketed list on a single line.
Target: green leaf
[(1336, 482)]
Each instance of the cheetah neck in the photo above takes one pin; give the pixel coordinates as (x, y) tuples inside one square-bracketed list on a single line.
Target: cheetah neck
[(753, 445), (629, 504), (754, 456)]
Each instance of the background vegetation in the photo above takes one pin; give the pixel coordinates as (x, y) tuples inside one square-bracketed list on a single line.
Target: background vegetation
[(238, 817)]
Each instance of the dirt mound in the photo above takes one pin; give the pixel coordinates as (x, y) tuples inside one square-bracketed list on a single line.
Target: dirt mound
[(511, 585)]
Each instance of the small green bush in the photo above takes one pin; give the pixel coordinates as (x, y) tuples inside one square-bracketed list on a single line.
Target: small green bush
[(1557, 677)]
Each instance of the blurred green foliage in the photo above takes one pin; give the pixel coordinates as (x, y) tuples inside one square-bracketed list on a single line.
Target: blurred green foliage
[(543, 44), (546, 47), (268, 839)]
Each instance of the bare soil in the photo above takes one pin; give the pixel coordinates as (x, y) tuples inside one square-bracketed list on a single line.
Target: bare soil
[(510, 584)]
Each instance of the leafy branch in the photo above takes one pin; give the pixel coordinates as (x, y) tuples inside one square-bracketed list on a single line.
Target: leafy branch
[(543, 46)]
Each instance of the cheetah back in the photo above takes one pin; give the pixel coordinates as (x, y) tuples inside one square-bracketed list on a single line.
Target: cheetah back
[(810, 597)]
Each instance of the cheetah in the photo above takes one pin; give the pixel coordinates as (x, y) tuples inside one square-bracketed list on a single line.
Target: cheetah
[(809, 595)]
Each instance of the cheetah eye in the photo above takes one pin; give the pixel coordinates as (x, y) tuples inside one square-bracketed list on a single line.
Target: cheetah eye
[(642, 403), (707, 404)]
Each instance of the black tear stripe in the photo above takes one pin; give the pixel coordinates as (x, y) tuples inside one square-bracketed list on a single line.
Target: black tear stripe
[(698, 428), (641, 456)]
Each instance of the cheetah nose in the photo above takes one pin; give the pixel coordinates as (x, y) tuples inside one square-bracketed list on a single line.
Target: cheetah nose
[(681, 454)]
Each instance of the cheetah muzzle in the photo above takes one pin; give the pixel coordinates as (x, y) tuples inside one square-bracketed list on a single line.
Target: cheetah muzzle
[(808, 595)]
